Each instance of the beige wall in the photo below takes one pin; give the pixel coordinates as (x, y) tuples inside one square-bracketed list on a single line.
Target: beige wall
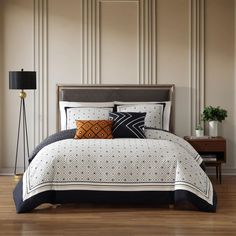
[(234, 120), (1, 79), (173, 45), (220, 64), (118, 42), (17, 33)]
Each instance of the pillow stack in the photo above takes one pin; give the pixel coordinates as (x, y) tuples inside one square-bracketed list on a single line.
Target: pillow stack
[(114, 119)]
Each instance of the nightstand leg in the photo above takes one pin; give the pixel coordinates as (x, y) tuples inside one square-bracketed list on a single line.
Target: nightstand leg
[(220, 172), (217, 173)]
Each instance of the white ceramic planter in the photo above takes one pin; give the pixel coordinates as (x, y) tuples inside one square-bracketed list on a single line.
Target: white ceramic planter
[(213, 128), (199, 132)]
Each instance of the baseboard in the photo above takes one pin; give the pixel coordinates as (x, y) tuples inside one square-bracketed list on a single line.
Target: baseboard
[(10, 171), (212, 171), (229, 172)]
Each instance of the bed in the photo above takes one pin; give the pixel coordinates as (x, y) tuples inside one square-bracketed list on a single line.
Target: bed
[(143, 162)]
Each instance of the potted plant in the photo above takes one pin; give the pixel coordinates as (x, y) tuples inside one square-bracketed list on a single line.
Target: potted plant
[(199, 130), (214, 115)]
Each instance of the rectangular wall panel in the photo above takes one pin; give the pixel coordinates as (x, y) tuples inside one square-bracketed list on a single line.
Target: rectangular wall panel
[(173, 58), (64, 49), (119, 41)]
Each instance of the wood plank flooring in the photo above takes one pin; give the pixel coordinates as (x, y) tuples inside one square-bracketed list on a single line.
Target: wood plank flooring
[(119, 220)]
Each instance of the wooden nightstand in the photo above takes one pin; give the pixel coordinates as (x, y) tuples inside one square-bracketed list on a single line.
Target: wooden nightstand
[(210, 146)]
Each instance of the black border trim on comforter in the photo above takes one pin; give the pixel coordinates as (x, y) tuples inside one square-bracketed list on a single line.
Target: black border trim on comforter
[(82, 196)]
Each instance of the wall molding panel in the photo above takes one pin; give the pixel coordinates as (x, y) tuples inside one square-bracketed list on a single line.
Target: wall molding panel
[(91, 46), (197, 60), (91, 58), (91, 41), (147, 42), (41, 66)]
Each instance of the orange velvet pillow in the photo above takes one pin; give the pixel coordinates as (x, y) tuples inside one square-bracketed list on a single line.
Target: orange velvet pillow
[(93, 129)]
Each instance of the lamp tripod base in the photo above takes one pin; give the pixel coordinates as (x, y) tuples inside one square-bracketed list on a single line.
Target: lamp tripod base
[(22, 119), (17, 177)]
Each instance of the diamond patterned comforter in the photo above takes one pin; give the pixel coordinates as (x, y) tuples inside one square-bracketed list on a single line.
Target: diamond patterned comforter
[(163, 162)]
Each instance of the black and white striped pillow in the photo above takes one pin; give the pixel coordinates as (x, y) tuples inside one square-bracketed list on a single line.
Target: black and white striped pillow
[(128, 124)]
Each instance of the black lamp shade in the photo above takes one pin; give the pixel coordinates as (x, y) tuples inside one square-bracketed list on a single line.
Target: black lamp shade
[(22, 80)]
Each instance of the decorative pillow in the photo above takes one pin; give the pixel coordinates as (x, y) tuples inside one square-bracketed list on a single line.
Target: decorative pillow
[(93, 129), (154, 114), (64, 105), (166, 110), (83, 113), (127, 124)]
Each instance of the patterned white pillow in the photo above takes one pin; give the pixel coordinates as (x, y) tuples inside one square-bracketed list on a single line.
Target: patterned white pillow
[(154, 113), (166, 110), (64, 105), (84, 113)]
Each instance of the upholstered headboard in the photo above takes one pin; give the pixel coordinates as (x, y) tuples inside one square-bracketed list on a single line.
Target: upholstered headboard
[(109, 93)]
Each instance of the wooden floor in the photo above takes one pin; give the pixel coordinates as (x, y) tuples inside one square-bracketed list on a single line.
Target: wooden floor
[(119, 220)]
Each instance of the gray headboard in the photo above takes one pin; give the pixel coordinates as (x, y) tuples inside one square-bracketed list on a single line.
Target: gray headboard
[(109, 93)]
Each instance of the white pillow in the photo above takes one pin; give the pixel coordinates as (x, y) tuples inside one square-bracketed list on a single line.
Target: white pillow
[(64, 105), (154, 113), (83, 113), (166, 113)]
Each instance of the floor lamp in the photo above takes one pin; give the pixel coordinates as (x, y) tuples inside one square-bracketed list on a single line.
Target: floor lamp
[(22, 80)]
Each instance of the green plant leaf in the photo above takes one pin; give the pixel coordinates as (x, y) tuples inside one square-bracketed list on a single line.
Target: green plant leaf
[(214, 113)]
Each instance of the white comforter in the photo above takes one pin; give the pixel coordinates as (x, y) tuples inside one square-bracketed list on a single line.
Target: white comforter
[(162, 162)]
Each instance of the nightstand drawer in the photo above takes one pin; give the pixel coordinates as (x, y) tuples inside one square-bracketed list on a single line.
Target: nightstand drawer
[(209, 146)]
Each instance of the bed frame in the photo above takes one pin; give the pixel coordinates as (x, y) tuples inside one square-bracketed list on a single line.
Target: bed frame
[(110, 93)]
